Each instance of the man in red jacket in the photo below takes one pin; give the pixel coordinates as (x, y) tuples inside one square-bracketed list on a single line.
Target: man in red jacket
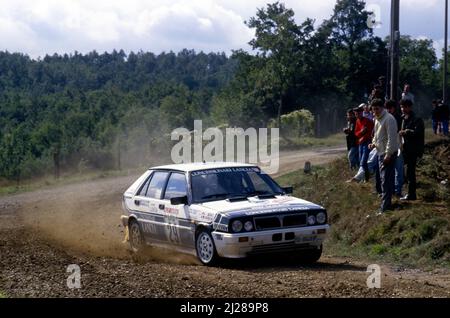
[(363, 133)]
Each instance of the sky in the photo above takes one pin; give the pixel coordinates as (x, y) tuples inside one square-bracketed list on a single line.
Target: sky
[(40, 27)]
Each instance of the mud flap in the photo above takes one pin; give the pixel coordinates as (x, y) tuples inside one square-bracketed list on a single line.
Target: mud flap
[(127, 235)]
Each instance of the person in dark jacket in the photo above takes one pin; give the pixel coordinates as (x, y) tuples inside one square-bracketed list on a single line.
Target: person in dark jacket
[(352, 147), (435, 117), (444, 115), (413, 139)]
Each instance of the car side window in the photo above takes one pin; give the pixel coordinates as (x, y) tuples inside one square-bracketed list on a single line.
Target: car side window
[(176, 186), (156, 185), (145, 186)]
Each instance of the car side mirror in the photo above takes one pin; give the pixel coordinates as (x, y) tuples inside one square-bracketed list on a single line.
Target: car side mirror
[(179, 200), (288, 190)]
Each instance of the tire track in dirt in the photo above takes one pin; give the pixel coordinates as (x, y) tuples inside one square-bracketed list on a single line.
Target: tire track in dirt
[(43, 231)]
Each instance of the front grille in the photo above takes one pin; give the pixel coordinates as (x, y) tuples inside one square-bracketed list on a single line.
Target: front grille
[(294, 220), (264, 223), (280, 221)]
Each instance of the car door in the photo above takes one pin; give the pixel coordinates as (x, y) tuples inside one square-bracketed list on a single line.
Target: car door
[(179, 228), (149, 206)]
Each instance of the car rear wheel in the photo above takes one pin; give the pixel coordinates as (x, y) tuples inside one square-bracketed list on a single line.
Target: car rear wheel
[(206, 250), (136, 238), (311, 256)]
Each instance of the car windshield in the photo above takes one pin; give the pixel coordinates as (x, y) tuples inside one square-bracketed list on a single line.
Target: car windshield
[(230, 183)]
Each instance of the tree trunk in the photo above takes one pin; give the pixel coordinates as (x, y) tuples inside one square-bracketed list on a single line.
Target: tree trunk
[(56, 162), (280, 109), (118, 156)]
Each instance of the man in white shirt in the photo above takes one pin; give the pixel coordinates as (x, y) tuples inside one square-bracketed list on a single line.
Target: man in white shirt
[(386, 142)]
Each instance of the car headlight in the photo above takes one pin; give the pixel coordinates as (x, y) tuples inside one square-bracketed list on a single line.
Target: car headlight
[(236, 226), (248, 226), (321, 217), (311, 220)]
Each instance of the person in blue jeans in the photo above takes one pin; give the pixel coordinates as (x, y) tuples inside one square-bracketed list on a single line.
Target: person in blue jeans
[(393, 109), (352, 147), (386, 143), (363, 133)]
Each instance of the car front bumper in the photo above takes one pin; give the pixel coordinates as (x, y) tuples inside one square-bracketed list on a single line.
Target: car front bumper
[(263, 242)]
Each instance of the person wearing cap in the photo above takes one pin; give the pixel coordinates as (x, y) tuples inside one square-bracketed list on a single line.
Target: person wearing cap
[(363, 134), (386, 143), (367, 112)]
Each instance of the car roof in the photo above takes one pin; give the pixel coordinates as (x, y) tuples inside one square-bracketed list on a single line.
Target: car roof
[(196, 166)]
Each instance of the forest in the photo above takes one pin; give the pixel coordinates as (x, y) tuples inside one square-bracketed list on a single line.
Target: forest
[(115, 110)]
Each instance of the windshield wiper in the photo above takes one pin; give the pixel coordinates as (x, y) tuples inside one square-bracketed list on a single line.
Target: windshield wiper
[(262, 194), (237, 198), (215, 195), (266, 196)]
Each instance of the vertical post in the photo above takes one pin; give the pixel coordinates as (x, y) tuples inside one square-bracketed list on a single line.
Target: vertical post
[(444, 85), (395, 44)]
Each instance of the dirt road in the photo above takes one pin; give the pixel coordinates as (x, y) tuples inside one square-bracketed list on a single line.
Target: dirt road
[(44, 231)]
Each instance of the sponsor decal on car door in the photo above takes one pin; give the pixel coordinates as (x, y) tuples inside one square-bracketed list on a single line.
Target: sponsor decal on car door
[(151, 206), (179, 229)]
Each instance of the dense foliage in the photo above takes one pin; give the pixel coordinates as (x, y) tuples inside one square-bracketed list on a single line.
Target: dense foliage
[(113, 110)]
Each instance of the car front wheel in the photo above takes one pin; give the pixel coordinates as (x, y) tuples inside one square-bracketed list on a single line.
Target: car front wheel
[(206, 250), (311, 256)]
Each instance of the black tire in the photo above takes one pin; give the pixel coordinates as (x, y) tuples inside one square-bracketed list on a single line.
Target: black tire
[(311, 256), (136, 239), (206, 249)]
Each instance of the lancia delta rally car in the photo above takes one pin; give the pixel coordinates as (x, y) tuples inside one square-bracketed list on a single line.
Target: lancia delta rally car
[(220, 210)]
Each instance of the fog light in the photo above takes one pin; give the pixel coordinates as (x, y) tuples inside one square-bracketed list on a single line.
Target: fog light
[(243, 239)]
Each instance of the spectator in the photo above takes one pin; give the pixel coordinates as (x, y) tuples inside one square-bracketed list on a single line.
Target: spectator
[(382, 84), (435, 116), (363, 134), (407, 95), (391, 107), (412, 133), (386, 142), (367, 112), (377, 93), (352, 147), (444, 117)]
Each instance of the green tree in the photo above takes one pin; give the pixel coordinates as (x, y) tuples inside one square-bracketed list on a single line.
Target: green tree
[(279, 41)]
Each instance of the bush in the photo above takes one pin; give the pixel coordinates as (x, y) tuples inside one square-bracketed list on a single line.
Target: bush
[(299, 123)]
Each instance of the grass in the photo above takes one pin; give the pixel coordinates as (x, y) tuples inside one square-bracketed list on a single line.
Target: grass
[(3, 295), (415, 234), (308, 142)]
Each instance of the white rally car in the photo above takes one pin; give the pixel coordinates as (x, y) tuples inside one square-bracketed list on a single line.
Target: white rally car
[(220, 210)]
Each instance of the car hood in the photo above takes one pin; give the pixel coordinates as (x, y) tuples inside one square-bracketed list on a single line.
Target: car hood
[(254, 205)]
